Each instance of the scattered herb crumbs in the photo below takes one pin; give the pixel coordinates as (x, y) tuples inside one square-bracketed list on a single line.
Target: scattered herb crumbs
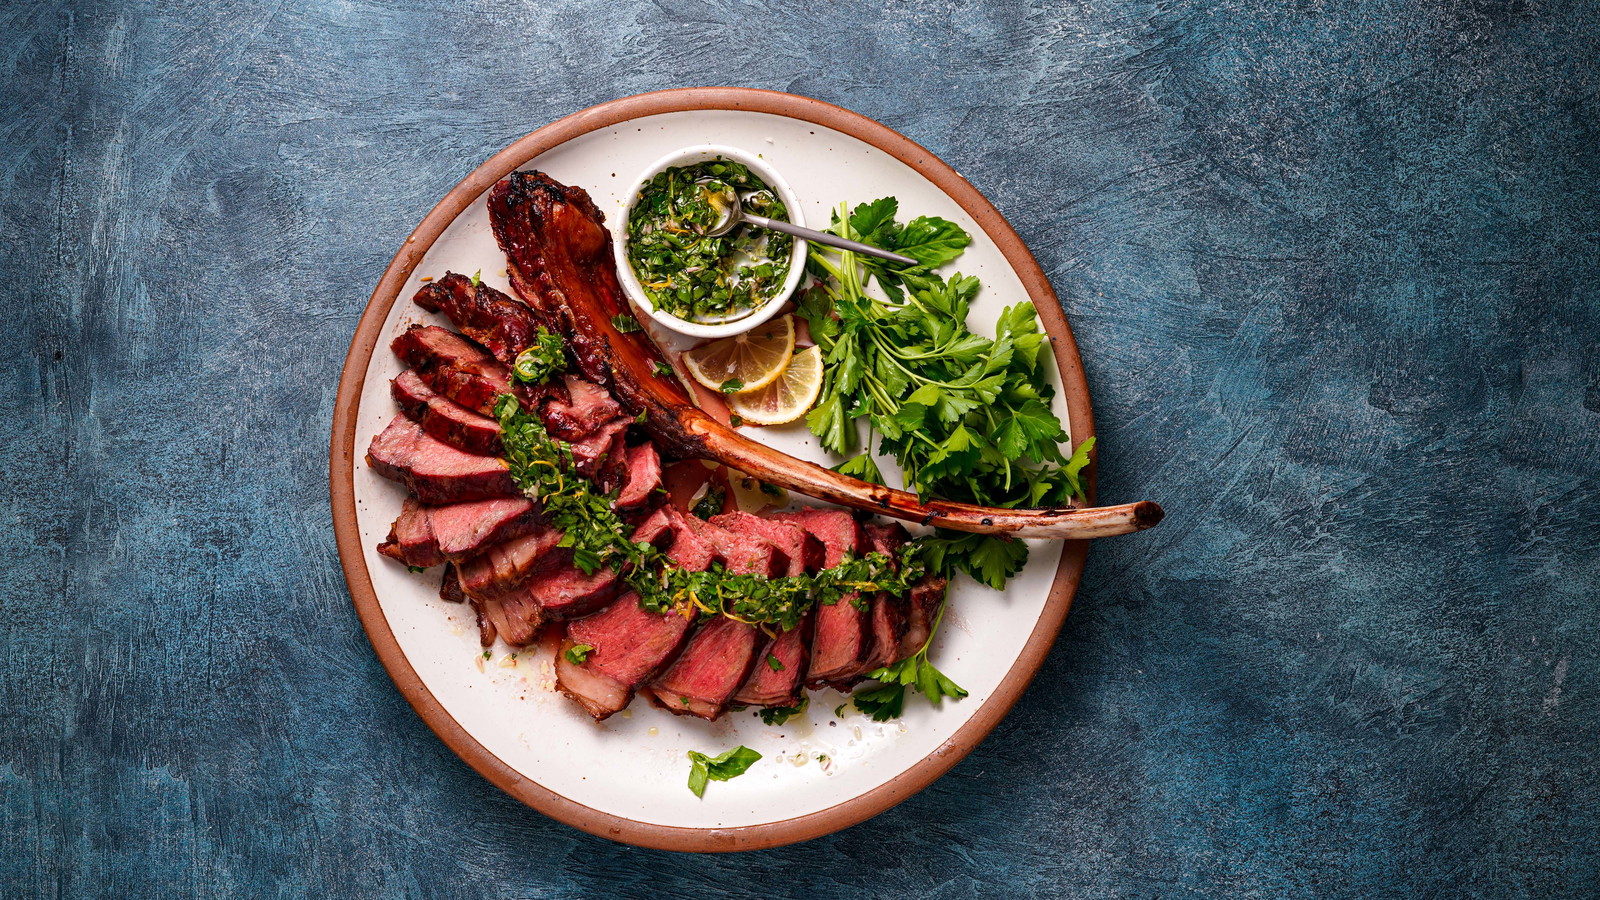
[(731, 764), (486, 654), (736, 420), (777, 715), (663, 370), (625, 323), (415, 569), (577, 653), (732, 386), (477, 278), (774, 663)]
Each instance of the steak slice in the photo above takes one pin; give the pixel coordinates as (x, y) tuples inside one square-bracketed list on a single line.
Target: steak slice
[(564, 591), (444, 418), (503, 325), (927, 596), (889, 614), (740, 553), (718, 659), (450, 592), (516, 618), (434, 471), (804, 551), (641, 477), (590, 453), (411, 539), (500, 570), (453, 366), (842, 638), (708, 671), (464, 530), (586, 407), (688, 550), (628, 644), (779, 685), (429, 535)]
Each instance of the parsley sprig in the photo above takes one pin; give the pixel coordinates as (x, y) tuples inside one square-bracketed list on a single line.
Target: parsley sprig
[(967, 418)]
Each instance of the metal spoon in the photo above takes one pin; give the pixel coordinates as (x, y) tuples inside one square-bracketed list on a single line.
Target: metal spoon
[(733, 213)]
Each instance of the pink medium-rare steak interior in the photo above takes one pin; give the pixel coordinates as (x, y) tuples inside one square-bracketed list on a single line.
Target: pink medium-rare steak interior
[(445, 419), (435, 472)]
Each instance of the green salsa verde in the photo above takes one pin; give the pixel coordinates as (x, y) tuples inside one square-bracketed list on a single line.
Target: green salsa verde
[(692, 275)]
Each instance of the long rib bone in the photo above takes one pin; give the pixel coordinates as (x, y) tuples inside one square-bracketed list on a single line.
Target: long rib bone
[(561, 265)]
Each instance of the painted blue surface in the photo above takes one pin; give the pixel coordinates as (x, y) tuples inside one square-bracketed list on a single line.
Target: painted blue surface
[(1333, 267)]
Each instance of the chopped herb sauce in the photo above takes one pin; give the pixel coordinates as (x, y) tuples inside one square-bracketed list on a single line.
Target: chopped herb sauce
[(695, 276)]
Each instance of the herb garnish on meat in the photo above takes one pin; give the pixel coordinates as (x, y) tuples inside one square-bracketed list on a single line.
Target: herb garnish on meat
[(542, 468)]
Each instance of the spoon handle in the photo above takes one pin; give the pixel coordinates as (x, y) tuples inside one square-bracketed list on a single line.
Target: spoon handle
[(831, 240)]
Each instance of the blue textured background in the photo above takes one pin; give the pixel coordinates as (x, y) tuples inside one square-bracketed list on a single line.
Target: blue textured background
[(1333, 267)]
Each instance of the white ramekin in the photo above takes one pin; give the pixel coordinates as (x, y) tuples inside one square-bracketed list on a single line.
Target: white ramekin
[(688, 156)]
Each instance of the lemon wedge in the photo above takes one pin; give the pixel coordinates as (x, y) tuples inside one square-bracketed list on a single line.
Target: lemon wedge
[(745, 362), (787, 398)]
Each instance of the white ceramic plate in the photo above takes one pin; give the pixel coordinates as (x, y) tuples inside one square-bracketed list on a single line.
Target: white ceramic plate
[(816, 769)]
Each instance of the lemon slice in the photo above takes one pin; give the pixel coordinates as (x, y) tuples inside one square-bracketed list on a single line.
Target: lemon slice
[(786, 399), (745, 362)]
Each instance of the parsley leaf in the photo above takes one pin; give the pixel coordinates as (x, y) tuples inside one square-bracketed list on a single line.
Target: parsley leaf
[(774, 663), (722, 767), (577, 653), (625, 323), (732, 386)]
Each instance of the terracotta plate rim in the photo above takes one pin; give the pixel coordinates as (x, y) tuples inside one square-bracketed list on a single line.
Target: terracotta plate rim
[(342, 457)]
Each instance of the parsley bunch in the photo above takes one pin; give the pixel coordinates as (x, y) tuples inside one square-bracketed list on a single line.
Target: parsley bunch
[(966, 417)]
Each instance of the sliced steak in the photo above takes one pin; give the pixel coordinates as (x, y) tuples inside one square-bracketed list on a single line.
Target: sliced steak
[(688, 550), (889, 614), (805, 552), (502, 569), (429, 535), (516, 618), (779, 684), (741, 553), (450, 592), (629, 644), (565, 592), (411, 540), (842, 638), (589, 454), (444, 418), (503, 325), (927, 596), (717, 660), (434, 471), (586, 407), (776, 681), (657, 529), (641, 477), (465, 530), (453, 366), (708, 671)]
